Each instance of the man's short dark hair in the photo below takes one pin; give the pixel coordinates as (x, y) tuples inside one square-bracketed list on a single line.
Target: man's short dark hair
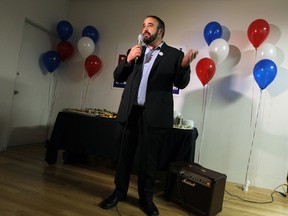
[(161, 24)]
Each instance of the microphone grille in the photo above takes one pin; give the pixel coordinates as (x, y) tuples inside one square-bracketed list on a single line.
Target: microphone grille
[(140, 37)]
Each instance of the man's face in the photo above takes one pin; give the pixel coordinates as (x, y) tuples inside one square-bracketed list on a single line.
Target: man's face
[(150, 30)]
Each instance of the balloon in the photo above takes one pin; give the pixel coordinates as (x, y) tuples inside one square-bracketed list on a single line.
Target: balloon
[(92, 65), (90, 31), (266, 51), (218, 50), (205, 70), (86, 46), (51, 60), (264, 72), (64, 30), (212, 31), (257, 32), (65, 50)]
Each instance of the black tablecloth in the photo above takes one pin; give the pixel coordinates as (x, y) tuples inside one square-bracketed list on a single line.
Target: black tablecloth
[(82, 134)]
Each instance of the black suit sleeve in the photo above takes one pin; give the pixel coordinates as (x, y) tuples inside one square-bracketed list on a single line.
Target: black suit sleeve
[(182, 76), (122, 71)]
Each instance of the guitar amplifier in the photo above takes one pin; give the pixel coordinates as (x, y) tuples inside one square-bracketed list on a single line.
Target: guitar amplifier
[(197, 189)]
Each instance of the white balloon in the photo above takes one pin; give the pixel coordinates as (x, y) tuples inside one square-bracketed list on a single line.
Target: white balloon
[(218, 50), (86, 46), (266, 51)]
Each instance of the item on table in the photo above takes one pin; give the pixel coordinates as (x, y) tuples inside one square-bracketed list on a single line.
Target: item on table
[(92, 112), (182, 123)]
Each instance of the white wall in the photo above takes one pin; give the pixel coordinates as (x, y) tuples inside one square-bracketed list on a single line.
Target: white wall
[(231, 111), (12, 19)]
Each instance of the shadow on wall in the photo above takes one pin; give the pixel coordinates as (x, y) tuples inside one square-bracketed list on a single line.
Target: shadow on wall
[(280, 84), (223, 94), (27, 135), (221, 84)]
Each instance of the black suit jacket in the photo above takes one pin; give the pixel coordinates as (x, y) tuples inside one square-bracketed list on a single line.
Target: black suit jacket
[(165, 72)]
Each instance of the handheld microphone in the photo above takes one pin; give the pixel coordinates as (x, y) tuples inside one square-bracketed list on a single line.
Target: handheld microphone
[(140, 39), (139, 42)]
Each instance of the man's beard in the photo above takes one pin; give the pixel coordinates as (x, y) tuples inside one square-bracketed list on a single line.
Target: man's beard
[(150, 39)]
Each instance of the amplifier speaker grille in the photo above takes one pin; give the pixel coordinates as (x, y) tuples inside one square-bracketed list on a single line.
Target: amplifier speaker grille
[(198, 189)]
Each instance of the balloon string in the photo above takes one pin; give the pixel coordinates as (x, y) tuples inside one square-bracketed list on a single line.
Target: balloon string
[(252, 104), (53, 94), (204, 102), (51, 101), (49, 105), (253, 89), (82, 91), (253, 137), (86, 91), (49, 93)]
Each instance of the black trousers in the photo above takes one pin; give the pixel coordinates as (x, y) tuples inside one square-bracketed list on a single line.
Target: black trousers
[(137, 133)]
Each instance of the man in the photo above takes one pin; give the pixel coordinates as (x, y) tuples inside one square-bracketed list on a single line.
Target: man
[(146, 108)]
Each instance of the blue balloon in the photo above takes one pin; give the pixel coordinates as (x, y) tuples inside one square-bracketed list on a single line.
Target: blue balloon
[(264, 72), (91, 32), (51, 60), (64, 30), (212, 31)]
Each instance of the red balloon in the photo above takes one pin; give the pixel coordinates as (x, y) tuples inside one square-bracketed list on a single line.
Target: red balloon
[(65, 50), (92, 65), (205, 70), (257, 32)]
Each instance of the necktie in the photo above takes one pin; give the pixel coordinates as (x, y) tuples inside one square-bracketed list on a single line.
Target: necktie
[(148, 56), (145, 74)]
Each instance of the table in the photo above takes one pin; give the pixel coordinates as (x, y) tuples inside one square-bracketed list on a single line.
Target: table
[(84, 134)]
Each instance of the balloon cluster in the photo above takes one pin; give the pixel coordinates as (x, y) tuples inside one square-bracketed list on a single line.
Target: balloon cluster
[(65, 50), (218, 52), (86, 47), (265, 70)]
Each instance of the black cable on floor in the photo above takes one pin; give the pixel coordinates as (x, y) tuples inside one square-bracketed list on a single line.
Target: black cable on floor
[(264, 202)]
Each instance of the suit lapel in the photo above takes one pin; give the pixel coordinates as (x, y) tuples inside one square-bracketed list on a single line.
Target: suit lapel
[(164, 50)]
